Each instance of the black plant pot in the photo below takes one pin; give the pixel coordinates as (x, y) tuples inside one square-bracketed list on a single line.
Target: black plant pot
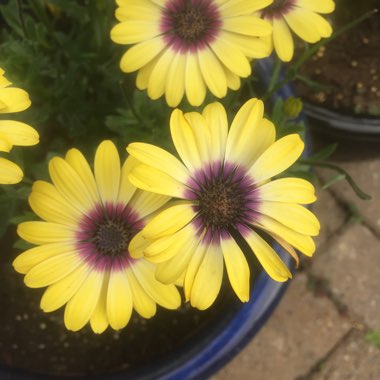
[(337, 124)]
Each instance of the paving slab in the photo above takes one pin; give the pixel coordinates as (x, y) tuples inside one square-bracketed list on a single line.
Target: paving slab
[(350, 266), (331, 215), (302, 330), (354, 359), (366, 173)]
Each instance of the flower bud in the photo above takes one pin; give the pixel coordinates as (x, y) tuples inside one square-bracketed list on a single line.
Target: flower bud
[(292, 107)]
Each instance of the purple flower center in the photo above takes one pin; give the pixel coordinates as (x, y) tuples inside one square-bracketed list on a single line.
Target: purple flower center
[(190, 24), (225, 197), (112, 237), (220, 202), (104, 235), (278, 8)]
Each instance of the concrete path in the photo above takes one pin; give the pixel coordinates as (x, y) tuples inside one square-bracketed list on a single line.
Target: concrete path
[(327, 325)]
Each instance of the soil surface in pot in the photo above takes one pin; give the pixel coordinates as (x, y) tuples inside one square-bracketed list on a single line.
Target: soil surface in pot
[(347, 71), (36, 341)]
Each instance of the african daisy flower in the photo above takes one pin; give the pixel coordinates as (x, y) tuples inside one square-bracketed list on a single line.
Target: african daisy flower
[(12, 132), (188, 46), (82, 244), (300, 16), (224, 191)]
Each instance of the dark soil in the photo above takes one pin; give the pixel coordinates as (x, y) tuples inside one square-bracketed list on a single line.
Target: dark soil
[(33, 340), (347, 71)]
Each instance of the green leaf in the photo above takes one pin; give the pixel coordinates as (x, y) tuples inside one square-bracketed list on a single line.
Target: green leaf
[(11, 15), (277, 115), (373, 337), (335, 179), (323, 154), (289, 129)]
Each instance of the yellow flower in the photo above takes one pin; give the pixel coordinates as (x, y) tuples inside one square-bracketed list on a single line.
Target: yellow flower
[(225, 194), (300, 16), (189, 46), (82, 244), (12, 132)]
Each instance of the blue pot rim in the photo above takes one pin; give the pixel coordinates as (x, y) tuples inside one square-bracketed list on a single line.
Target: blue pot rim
[(247, 321)]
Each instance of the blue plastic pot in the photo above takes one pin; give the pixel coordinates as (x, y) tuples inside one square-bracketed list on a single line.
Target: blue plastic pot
[(213, 347)]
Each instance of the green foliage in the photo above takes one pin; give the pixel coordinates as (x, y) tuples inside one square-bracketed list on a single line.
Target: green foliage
[(373, 337), (67, 64)]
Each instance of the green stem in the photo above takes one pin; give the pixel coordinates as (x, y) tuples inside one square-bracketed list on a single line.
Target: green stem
[(275, 75), (359, 192)]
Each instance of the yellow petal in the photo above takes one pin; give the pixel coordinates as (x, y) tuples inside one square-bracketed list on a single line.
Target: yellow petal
[(292, 215), (107, 171), (53, 269), (160, 159), (137, 10), (142, 303), (99, 319), (10, 173), (231, 56), (277, 158), (159, 74), (145, 72), (247, 25), (185, 140), (165, 295), (81, 306), (252, 47), (5, 144), (192, 269), (51, 209), (156, 181), (126, 189), (195, 87), (169, 221), (319, 6), (51, 194), (134, 31), (233, 80), (79, 163), (309, 26), (138, 245), (171, 270), (212, 72), (237, 268), (14, 99), (59, 293), (141, 54), (19, 133), (70, 185), (167, 247), (241, 7), (243, 132), (45, 232), (301, 242), (282, 40), (175, 81), (144, 203), (216, 119), (292, 252), (290, 190), (268, 258), (119, 300), (36, 255), (208, 279)]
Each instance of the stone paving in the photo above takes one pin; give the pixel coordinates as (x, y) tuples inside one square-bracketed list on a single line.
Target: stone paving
[(327, 325)]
